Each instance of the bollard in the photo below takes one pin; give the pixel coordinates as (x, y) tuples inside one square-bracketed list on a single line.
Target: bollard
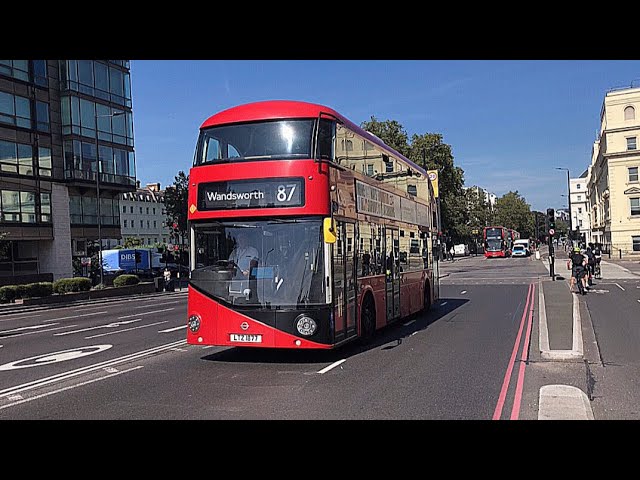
[(620, 250)]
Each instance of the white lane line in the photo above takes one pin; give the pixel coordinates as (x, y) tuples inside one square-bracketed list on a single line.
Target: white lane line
[(99, 327), (159, 304), (463, 292), (408, 323), (28, 315), (42, 331), (619, 287), (332, 366), (443, 303), (146, 313), (67, 388), (175, 329), (77, 316), (125, 329)]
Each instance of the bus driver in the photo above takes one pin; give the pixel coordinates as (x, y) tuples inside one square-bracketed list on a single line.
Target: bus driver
[(244, 255)]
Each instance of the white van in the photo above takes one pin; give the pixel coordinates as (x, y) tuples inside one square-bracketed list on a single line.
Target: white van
[(526, 242)]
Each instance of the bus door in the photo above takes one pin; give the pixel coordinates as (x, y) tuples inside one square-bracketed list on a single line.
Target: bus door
[(344, 281), (391, 246)]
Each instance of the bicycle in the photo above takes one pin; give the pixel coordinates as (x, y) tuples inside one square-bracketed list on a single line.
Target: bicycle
[(597, 273)]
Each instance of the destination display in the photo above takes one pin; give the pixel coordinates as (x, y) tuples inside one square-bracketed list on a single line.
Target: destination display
[(259, 193)]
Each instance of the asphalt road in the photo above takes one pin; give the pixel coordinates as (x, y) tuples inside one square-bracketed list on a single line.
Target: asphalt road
[(467, 359)]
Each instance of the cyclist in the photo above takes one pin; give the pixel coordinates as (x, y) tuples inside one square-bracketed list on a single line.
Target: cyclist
[(577, 261), (597, 252), (591, 265)]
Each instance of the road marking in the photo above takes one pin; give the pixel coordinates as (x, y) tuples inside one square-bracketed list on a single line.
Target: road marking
[(87, 369), (42, 331), (169, 330), (463, 292), (23, 400), (29, 315), (108, 325), (146, 313), (444, 303), (78, 316), (408, 323), (55, 357), (125, 330), (619, 287), (332, 366)]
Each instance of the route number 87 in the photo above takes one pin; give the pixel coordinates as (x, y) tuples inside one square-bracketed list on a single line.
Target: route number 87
[(282, 195)]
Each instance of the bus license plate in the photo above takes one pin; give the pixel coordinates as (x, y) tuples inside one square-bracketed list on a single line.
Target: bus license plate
[(246, 338)]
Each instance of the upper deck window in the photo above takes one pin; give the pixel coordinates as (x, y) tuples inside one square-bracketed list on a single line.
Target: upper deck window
[(280, 139)]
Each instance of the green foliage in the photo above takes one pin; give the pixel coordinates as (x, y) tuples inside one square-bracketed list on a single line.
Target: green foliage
[(38, 289), (76, 284), (133, 242), (390, 132), (512, 211), (175, 203), (8, 293), (126, 279)]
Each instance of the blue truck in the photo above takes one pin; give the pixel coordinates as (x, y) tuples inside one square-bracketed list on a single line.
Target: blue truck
[(131, 260)]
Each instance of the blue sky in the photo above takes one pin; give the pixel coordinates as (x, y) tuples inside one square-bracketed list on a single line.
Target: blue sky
[(510, 123)]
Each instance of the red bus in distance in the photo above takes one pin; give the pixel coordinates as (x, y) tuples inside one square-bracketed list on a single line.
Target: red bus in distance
[(306, 231), (496, 241)]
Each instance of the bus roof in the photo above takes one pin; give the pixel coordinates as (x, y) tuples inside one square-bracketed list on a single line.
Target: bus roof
[(281, 109)]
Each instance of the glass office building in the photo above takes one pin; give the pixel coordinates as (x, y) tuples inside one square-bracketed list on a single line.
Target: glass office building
[(66, 153)]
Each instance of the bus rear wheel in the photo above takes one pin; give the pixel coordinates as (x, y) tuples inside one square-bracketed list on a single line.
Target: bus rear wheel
[(367, 320)]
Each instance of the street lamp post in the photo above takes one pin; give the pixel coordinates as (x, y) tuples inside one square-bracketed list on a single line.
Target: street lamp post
[(98, 170), (568, 196)]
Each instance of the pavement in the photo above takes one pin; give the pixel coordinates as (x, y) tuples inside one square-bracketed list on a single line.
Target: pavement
[(560, 333)]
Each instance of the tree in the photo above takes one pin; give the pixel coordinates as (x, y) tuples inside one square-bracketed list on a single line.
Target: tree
[(512, 211), (175, 202), (390, 132), (133, 242)]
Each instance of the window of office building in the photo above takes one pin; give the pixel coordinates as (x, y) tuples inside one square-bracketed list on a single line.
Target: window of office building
[(141, 224), (84, 210), (15, 110), (579, 209), (117, 166), (124, 209), (633, 174), (131, 208), (15, 68), (578, 186), (635, 240), (18, 258), (98, 79), (81, 117), (629, 113), (631, 143), (635, 205), (45, 207), (18, 206), (579, 198), (42, 116), (44, 161), (16, 158), (40, 72), (412, 190)]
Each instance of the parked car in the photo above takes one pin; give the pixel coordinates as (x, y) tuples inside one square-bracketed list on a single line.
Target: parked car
[(519, 250), (461, 250)]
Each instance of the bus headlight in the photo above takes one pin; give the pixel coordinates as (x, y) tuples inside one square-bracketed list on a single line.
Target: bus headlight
[(194, 323), (306, 325)]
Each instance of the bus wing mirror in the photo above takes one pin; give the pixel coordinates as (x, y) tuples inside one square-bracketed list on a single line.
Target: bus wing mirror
[(329, 230)]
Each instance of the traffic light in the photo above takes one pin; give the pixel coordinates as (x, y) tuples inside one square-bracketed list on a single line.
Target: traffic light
[(551, 220)]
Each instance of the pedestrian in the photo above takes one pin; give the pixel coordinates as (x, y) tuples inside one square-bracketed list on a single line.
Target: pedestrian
[(452, 252)]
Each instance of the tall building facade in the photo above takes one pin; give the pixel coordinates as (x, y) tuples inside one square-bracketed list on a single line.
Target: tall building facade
[(580, 206), (66, 156), (143, 216), (613, 181)]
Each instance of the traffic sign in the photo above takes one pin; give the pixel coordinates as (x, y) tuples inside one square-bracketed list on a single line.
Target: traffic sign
[(551, 231)]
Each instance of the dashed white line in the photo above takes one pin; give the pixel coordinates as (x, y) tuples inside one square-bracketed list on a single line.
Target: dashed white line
[(332, 366), (175, 329), (619, 287), (125, 330), (463, 292), (146, 313)]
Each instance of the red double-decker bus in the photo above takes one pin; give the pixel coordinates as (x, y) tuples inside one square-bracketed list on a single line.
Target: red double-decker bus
[(306, 231), (496, 241)]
